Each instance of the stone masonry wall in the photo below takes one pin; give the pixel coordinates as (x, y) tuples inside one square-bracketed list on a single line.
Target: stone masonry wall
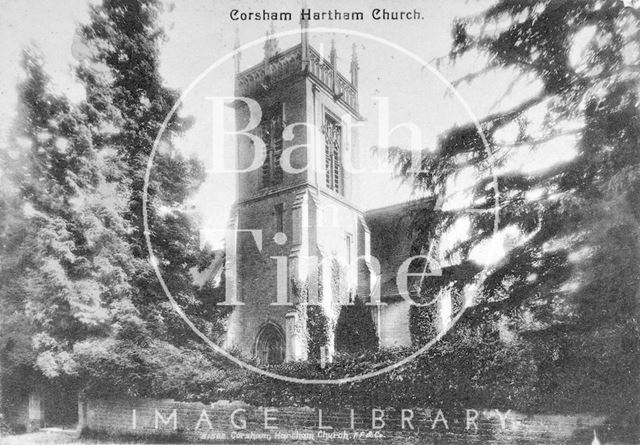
[(223, 421)]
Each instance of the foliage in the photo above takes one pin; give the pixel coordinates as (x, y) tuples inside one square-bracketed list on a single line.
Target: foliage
[(120, 73), (572, 274), (79, 297), (555, 321), (423, 324), (355, 330), (456, 373), (318, 328), (65, 266), (156, 369), (321, 319)]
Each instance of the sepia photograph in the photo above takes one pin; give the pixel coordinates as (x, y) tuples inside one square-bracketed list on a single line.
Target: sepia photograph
[(320, 222)]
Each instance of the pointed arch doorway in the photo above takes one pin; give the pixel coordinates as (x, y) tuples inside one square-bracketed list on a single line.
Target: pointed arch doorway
[(270, 344)]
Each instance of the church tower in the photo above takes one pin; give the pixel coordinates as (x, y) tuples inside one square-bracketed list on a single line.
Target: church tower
[(296, 210)]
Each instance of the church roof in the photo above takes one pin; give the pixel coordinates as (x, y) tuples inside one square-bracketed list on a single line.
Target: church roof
[(392, 238)]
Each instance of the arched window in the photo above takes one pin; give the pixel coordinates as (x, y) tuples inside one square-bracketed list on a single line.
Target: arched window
[(271, 130), (270, 345), (333, 153)]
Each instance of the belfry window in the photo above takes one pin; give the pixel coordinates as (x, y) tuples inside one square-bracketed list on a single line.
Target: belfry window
[(279, 209), (271, 132), (332, 131)]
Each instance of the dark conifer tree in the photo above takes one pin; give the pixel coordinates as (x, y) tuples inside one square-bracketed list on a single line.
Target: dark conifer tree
[(570, 286)]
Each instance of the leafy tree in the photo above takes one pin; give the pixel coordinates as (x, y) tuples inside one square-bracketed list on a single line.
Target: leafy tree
[(120, 71), (80, 296), (569, 283), (64, 264), (121, 76)]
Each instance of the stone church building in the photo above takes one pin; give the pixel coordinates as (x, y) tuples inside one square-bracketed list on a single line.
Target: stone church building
[(307, 217)]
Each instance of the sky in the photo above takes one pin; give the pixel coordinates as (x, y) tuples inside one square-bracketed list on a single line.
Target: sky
[(201, 32)]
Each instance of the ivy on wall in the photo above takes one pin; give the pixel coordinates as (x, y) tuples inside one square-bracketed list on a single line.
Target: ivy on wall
[(319, 321), (355, 330)]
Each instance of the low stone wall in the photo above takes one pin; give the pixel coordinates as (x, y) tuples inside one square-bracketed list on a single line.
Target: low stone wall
[(224, 422)]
